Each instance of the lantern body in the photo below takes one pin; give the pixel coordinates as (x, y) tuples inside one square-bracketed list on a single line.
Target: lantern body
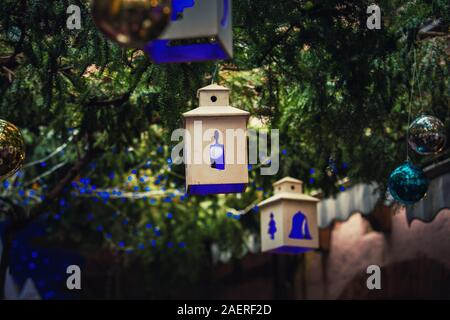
[(215, 145), (199, 30), (289, 219)]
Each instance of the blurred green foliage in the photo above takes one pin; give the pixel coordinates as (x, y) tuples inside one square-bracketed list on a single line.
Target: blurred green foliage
[(309, 68)]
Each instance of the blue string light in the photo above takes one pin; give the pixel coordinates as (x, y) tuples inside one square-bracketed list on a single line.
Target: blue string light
[(83, 187)]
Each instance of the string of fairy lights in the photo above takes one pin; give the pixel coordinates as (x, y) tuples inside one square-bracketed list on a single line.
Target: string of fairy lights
[(141, 184)]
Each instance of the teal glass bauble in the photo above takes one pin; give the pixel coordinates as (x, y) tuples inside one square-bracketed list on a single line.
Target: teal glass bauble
[(408, 184)]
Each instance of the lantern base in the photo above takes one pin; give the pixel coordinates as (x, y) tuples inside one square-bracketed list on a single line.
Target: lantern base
[(206, 189), (160, 51), (291, 250)]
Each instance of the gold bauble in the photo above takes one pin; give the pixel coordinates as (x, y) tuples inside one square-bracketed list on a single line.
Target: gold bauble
[(131, 23), (12, 149)]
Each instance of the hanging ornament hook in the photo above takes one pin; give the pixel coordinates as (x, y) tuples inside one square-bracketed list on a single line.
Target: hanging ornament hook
[(410, 103), (215, 72)]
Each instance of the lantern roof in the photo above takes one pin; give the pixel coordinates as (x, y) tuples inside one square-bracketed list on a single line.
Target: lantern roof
[(212, 87), (214, 102), (288, 180), (288, 188), (211, 111)]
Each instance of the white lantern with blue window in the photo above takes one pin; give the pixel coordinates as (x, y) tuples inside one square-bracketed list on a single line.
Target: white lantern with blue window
[(215, 149), (289, 219), (199, 30)]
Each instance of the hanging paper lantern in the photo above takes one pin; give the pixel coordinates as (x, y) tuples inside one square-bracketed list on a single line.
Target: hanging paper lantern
[(427, 135), (12, 149), (289, 219), (216, 144), (408, 183), (131, 23)]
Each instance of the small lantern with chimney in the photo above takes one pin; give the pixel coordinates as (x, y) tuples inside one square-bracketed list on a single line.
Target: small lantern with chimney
[(289, 219), (216, 144)]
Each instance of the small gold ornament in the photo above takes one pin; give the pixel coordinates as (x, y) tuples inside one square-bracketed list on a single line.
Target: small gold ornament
[(131, 23), (12, 149)]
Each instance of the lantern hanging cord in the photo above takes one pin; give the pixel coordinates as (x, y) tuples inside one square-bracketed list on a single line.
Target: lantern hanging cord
[(410, 103), (419, 87), (215, 72)]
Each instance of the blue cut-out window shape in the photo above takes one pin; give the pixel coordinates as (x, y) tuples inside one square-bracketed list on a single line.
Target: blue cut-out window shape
[(272, 227), (217, 153), (300, 228), (178, 7)]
